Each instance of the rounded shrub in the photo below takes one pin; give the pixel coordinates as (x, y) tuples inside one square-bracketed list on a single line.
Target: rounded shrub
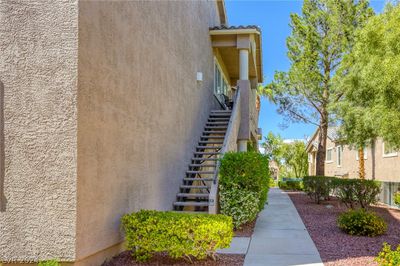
[(388, 257), (248, 171), (361, 223), (180, 235), (241, 205)]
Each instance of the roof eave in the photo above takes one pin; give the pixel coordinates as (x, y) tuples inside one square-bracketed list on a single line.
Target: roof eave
[(234, 31)]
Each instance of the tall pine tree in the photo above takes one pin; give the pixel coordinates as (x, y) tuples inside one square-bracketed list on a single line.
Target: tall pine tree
[(320, 37)]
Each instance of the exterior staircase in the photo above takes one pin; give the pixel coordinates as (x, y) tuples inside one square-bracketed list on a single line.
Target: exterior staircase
[(194, 192)]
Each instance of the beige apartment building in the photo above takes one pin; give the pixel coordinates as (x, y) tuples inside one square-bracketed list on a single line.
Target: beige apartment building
[(382, 162), (103, 106)]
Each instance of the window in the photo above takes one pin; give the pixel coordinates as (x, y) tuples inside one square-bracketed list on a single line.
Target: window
[(388, 150), (329, 155), (365, 154), (220, 83), (339, 151)]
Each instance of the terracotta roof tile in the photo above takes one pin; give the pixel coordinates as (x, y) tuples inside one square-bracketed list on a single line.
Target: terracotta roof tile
[(240, 27)]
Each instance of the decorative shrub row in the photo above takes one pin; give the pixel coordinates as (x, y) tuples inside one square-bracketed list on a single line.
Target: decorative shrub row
[(241, 205), (397, 198), (243, 173), (296, 185), (349, 191), (178, 234), (361, 223), (388, 257), (318, 187)]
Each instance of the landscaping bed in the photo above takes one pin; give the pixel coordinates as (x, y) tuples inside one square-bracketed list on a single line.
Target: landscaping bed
[(246, 230), (126, 259), (336, 247)]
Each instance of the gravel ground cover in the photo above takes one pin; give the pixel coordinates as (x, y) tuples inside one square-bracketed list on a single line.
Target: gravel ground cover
[(336, 247), (246, 230), (125, 259)]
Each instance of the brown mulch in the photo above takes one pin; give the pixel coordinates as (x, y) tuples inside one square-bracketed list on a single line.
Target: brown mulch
[(126, 259), (336, 247), (246, 230)]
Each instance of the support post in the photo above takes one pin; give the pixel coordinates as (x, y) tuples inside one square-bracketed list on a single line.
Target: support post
[(242, 145)]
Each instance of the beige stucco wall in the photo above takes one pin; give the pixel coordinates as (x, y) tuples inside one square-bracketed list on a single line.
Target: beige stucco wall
[(377, 166), (38, 68), (140, 109)]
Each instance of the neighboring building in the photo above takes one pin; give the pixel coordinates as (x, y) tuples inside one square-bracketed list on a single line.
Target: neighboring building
[(382, 163), (102, 104)]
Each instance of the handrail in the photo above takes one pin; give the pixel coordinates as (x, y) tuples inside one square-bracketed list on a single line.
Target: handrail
[(236, 102), (213, 199)]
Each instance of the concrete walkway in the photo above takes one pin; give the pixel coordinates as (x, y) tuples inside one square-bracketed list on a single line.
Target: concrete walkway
[(280, 237)]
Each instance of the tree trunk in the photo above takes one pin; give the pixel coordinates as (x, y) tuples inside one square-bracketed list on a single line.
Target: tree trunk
[(361, 163), (321, 151)]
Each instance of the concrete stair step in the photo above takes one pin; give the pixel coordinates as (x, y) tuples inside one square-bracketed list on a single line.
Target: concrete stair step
[(202, 165), (221, 111), (197, 179), (210, 142), (191, 203), (209, 147), (193, 187), (215, 119), (204, 159), (212, 137), (192, 212), (197, 195), (213, 132), (200, 172), (217, 123), (220, 115), (215, 127), (206, 153)]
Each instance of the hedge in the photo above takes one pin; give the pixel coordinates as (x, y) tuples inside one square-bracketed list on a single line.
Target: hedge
[(246, 171), (318, 187), (361, 191), (349, 191), (296, 185), (178, 234)]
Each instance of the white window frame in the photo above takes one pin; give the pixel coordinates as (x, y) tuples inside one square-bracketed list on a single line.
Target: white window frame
[(224, 79), (386, 155), (331, 160), (365, 154), (339, 162)]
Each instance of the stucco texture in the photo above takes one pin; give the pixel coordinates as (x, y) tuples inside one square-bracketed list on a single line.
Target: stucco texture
[(140, 109), (377, 166), (38, 68)]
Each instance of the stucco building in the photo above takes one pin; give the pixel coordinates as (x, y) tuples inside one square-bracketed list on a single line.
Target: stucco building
[(102, 106), (382, 162)]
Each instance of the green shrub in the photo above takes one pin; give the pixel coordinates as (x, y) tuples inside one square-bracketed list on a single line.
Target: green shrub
[(247, 171), (397, 198), (282, 185), (361, 223), (388, 257), (240, 204), (178, 234), (351, 191), (296, 185), (49, 263), (318, 187)]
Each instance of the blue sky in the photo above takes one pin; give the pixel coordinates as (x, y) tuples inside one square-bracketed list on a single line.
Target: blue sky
[(273, 18)]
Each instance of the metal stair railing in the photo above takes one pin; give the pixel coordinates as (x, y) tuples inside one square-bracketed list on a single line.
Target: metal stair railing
[(229, 144)]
